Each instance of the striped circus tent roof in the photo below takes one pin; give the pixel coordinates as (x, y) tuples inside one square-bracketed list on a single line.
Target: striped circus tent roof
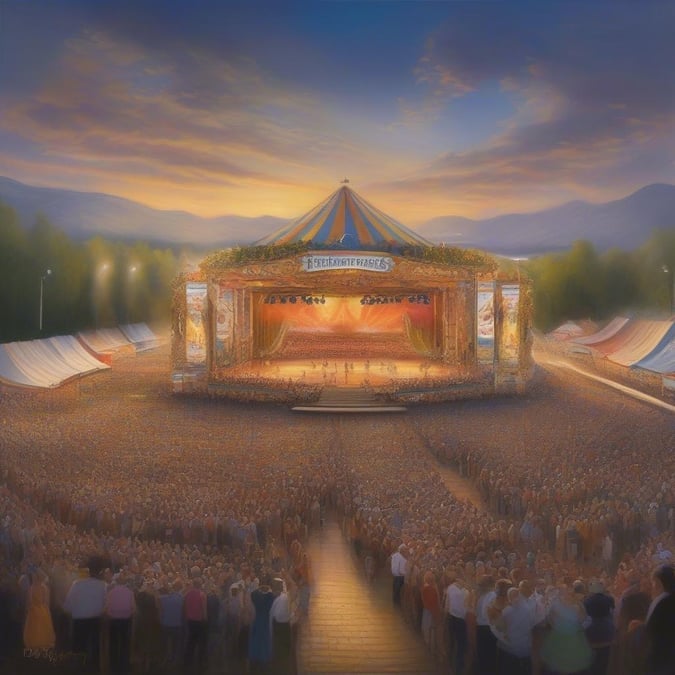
[(348, 221)]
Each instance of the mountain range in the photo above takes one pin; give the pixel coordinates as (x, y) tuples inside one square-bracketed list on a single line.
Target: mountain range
[(624, 223)]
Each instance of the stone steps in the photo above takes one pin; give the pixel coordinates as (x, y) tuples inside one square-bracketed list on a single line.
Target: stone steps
[(349, 400)]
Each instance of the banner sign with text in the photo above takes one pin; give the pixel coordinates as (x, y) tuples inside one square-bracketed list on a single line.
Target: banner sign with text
[(319, 262)]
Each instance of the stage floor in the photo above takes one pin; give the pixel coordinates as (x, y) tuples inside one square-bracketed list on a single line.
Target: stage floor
[(343, 372)]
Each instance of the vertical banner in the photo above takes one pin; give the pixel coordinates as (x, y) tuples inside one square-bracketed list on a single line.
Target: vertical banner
[(485, 321), (510, 344), (195, 333), (224, 327)]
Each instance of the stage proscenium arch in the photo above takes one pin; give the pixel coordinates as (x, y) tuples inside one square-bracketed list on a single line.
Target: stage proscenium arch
[(346, 296)]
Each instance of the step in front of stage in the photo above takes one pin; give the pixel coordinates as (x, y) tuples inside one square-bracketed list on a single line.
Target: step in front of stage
[(348, 400)]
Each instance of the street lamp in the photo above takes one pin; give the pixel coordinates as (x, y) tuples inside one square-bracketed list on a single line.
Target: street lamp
[(671, 271), (42, 292)]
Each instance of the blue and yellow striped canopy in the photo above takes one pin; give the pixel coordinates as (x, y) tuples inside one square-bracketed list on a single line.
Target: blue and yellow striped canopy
[(349, 222)]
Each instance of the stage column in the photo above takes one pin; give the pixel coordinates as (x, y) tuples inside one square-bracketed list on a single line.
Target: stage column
[(449, 323), (243, 347)]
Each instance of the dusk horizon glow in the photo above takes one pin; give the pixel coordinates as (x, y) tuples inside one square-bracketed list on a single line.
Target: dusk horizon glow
[(430, 109)]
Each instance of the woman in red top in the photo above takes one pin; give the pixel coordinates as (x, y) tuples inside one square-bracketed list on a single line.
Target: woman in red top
[(431, 610)]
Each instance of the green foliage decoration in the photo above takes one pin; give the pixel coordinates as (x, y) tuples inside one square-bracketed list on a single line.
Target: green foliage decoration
[(439, 255)]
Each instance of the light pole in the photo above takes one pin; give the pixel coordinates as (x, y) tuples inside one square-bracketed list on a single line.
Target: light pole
[(671, 271), (42, 292)]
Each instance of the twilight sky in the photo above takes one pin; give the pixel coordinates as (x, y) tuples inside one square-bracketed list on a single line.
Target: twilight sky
[(470, 108)]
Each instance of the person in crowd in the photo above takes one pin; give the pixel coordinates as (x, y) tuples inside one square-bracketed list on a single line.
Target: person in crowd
[(213, 621), (399, 565), (600, 630), (565, 649), (660, 623), (232, 612), (85, 603), (171, 622), (120, 605), (38, 631), (456, 605), (515, 642), (302, 578), (260, 637), (628, 653), (283, 638), (195, 612), (431, 612), (147, 629), (486, 642)]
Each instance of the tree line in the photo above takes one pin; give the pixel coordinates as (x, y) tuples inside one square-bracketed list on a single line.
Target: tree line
[(100, 283), (68, 285), (584, 284)]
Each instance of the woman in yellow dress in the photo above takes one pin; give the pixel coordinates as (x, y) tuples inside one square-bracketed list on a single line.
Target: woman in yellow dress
[(38, 631)]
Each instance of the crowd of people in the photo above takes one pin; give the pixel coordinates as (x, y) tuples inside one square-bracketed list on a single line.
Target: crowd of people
[(171, 497), (497, 616)]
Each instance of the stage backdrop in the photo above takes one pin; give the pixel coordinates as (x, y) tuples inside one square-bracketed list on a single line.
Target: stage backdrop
[(509, 347), (485, 320)]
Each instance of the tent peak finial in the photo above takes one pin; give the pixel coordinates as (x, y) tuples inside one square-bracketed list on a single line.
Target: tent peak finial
[(344, 181)]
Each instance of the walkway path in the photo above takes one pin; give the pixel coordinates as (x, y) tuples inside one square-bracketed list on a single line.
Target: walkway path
[(460, 488), (352, 626), (610, 383)]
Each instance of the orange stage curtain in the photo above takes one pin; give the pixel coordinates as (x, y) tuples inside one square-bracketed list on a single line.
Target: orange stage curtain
[(421, 337)]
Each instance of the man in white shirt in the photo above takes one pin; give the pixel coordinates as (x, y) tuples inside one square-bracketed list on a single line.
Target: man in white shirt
[(399, 567), (283, 643), (455, 602), (85, 603)]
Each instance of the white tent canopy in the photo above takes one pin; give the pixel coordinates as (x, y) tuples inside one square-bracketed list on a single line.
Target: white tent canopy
[(141, 336), (104, 340), (46, 363), (643, 338), (610, 330)]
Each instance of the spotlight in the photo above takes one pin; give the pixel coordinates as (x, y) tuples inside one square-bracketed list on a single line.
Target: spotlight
[(323, 300), (283, 299), (293, 299)]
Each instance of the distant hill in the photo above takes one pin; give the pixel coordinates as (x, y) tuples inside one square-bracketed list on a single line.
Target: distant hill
[(625, 223), (83, 215)]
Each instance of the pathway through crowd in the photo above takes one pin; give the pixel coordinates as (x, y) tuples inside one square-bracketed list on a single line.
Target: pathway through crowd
[(352, 626), (461, 488)]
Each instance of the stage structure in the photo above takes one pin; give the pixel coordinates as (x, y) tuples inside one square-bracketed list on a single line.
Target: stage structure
[(346, 296)]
